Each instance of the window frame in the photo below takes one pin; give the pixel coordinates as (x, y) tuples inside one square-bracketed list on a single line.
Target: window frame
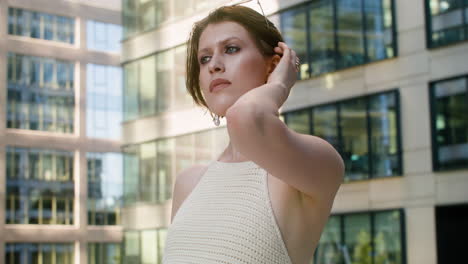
[(367, 97), (436, 166)]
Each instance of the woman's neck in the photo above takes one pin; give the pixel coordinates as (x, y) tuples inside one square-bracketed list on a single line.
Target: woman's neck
[(230, 154)]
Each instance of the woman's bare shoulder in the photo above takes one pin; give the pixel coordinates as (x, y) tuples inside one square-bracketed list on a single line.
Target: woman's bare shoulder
[(186, 180)]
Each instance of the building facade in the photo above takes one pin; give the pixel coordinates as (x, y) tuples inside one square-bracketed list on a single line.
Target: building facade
[(61, 167), (383, 81)]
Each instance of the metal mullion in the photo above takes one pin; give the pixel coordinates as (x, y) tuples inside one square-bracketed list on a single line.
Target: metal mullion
[(428, 16), (398, 127), (311, 120), (335, 31), (308, 41), (338, 126), (370, 174), (342, 236), (364, 30), (394, 29)]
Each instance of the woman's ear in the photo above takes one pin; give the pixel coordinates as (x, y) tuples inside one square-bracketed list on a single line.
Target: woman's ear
[(275, 59)]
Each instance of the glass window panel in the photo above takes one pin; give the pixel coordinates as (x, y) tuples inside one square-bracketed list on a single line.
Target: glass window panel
[(165, 66), (36, 25), (48, 22), (329, 249), (131, 247), (446, 22), (162, 10), (350, 33), (299, 121), (387, 238), (148, 174), (11, 20), (184, 151), (147, 14), (182, 98), (129, 11), (165, 148), (384, 135), (358, 238), (149, 247), (325, 123), (451, 123), (379, 37), (131, 91), (26, 21), (147, 79), (203, 147), (19, 22), (131, 174), (322, 37), (294, 33), (355, 148), (162, 234)]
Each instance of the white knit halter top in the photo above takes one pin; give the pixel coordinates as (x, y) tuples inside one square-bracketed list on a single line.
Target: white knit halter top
[(227, 218)]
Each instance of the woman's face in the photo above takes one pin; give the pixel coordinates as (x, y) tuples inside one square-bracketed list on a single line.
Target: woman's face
[(230, 65)]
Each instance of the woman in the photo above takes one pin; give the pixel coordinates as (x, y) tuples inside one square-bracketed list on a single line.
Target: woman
[(266, 199)]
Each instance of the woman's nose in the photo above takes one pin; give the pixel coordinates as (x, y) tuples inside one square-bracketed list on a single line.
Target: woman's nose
[(216, 65)]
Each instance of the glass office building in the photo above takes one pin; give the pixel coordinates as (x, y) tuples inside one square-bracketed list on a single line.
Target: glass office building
[(385, 82), (61, 164)]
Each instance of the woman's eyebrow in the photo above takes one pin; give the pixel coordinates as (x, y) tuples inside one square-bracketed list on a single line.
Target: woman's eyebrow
[(220, 43)]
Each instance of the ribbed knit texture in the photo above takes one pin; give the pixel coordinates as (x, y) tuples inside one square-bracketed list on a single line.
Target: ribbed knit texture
[(227, 218)]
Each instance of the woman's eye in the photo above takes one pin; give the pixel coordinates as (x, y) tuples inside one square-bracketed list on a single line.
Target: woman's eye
[(232, 49), (204, 59)]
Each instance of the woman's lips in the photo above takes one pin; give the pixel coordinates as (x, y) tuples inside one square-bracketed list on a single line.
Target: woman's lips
[(219, 84)]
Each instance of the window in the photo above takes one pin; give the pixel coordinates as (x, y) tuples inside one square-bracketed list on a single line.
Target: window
[(104, 253), (59, 253), (40, 94), (375, 237), (364, 130), (333, 35), (451, 229), (446, 22), (104, 101), (144, 15), (150, 168), (105, 188), (154, 85), (103, 36), (40, 186), (449, 100), (38, 25), (144, 246)]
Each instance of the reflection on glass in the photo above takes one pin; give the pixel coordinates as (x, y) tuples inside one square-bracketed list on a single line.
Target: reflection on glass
[(148, 179), (447, 25), (387, 238), (131, 174), (147, 77), (131, 98), (358, 238), (57, 253), (379, 36), (149, 246), (299, 121), (41, 25), (354, 139), (164, 155), (350, 35), (131, 247), (108, 253), (181, 98), (203, 147), (41, 188), (294, 32), (329, 249), (103, 36), (451, 123), (164, 68), (105, 188), (325, 123), (322, 37), (384, 135), (103, 101)]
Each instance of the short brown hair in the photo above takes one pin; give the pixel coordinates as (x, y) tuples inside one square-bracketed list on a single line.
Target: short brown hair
[(266, 38)]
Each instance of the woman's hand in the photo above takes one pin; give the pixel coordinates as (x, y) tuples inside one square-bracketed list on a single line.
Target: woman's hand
[(285, 73)]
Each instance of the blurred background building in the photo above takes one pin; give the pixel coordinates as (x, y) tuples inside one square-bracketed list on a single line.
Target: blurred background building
[(384, 81), (61, 167)]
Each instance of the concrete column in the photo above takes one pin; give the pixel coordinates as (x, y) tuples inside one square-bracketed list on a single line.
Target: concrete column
[(421, 235)]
